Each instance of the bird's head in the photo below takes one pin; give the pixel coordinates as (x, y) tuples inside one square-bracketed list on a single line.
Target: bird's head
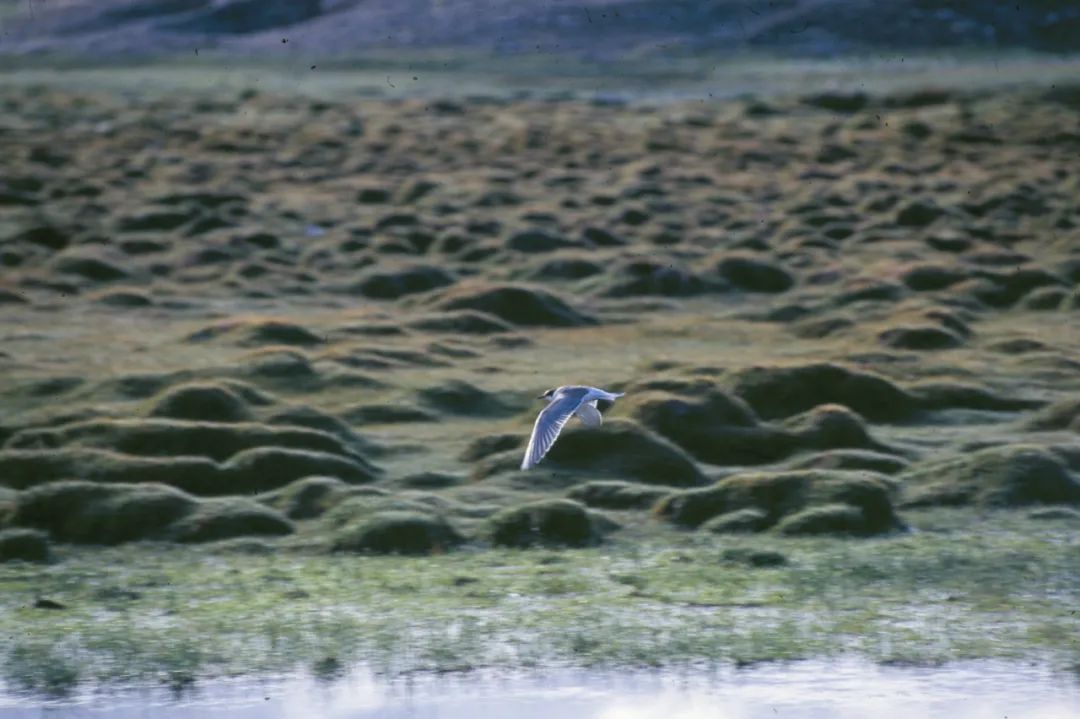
[(547, 395)]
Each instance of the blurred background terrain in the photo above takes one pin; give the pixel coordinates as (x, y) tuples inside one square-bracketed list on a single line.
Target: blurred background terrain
[(593, 29)]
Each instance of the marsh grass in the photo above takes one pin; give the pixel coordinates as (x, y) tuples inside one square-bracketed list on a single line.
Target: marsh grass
[(1002, 587), (964, 584), (441, 73)]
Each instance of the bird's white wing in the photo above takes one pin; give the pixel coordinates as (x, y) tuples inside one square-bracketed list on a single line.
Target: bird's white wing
[(548, 425), (589, 415)]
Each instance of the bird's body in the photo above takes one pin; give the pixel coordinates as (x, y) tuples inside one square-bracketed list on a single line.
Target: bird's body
[(563, 403)]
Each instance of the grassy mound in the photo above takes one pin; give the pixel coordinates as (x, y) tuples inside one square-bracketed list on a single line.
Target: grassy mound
[(460, 397), (202, 402), (429, 480), (618, 449), (1061, 415), (7, 504), (164, 438), (21, 469), (830, 426), (780, 391), (491, 444), (754, 274), (851, 459), (308, 497), (614, 494), (253, 470), (365, 502), (27, 545), (471, 322), (387, 414), (122, 298), (1053, 514), (725, 445), (277, 332), (517, 304), (280, 365), (140, 385), (740, 521), (948, 395), (537, 241), (88, 266), (757, 558), (548, 522), (398, 532), (1004, 288), (835, 519), (624, 449), (311, 418), (722, 429), (412, 279), (563, 266), (96, 513), (1009, 476), (1044, 299), (226, 518), (670, 415), (922, 337), (930, 277), (647, 277), (779, 495), (268, 467)]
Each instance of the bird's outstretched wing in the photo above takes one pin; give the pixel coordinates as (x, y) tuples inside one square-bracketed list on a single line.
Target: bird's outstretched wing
[(589, 415), (548, 425)]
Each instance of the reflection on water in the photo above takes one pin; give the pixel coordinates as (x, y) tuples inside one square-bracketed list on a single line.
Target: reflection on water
[(833, 690)]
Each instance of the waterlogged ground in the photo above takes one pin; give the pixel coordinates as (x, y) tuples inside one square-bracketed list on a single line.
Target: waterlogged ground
[(268, 361), (832, 689), (961, 587)]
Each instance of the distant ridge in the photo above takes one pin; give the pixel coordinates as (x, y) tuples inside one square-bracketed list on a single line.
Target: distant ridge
[(590, 29)]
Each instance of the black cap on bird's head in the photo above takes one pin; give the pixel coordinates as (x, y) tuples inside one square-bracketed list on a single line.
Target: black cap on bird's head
[(546, 395)]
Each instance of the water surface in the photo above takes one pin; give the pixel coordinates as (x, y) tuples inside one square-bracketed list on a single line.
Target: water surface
[(808, 690)]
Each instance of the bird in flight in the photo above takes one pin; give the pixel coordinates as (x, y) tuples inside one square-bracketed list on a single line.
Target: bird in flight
[(563, 403)]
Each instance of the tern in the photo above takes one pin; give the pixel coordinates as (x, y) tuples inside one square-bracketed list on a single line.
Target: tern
[(563, 403)]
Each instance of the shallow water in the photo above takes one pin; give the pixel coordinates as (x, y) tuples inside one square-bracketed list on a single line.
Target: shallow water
[(808, 690)]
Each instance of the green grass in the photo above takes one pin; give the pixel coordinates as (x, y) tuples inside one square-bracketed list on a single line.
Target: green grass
[(966, 586), (440, 72), (1005, 587)]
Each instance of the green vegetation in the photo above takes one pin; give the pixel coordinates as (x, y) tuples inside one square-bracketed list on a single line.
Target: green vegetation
[(1003, 586), (266, 383), (478, 75)]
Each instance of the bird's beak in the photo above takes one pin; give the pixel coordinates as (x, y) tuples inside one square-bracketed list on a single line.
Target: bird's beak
[(540, 396)]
